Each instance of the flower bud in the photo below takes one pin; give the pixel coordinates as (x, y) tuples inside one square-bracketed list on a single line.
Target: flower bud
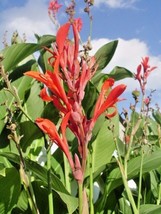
[(136, 94)]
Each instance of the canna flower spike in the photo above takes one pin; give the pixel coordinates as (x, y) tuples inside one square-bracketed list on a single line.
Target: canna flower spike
[(143, 72), (64, 86)]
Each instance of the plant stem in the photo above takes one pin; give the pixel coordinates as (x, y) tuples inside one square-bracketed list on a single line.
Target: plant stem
[(91, 183), (25, 178), (66, 172), (140, 178), (80, 187), (134, 130), (50, 195), (128, 191), (159, 195)]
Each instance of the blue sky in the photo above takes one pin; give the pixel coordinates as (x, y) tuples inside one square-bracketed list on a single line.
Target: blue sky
[(135, 23)]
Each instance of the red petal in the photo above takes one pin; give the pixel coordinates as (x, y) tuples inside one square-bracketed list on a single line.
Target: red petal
[(105, 87), (62, 36), (38, 76), (49, 128), (76, 41), (44, 96), (64, 124), (110, 100)]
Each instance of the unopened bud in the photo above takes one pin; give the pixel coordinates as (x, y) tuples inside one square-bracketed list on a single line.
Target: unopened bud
[(86, 10), (136, 94)]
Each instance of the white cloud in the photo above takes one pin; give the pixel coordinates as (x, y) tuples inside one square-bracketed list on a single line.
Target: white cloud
[(129, 54), (29, 19), (116, 3)]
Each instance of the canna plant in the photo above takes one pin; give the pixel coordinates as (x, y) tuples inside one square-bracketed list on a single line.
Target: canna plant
[(62, 99), (74, 71)]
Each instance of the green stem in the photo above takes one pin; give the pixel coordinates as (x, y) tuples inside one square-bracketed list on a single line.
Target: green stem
[(128, 191), (67, 171), (140, 178), (31, 203), (91, 183), (134, 130), (50, 195), (25, 177), (159, 195), (80, 187)]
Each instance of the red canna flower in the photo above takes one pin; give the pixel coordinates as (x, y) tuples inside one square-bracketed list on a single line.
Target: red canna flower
[(54, 7), (53, 83), (143, 72), (105, 100), (50, 129)]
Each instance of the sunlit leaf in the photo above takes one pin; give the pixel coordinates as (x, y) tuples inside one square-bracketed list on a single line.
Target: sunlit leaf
[(150, 209), (119, 73)]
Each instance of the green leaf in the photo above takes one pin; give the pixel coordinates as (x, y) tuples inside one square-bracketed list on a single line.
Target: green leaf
[(31, 135), (103, 57), (41, 173), (157, 116), (124, 206), (14, 54), (22, 201), (150, 209), (2, 170), (34, 105), (46, 40), (9, 189), (88, 104), (119, 73), (105, 54), (104, 146)]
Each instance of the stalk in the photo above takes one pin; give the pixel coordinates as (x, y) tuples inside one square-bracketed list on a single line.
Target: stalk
[(80, 202), (67, 171), (140, 178), (128, 191), (50, 195), (91, 183)]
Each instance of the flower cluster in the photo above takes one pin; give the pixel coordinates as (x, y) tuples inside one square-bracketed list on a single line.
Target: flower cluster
[(143, 72), (65, 87)]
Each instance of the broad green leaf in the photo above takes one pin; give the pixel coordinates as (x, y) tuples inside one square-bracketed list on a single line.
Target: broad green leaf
[(43, 60), (157, 116), (103, 57), (150, 209), (88, 104), (22, 203), (41, 173), (31, 142), (119, 73), (104, 146), (105, 54), (14, 54), (34, 105), (124, 206), (9, 190), (46, 40), (2, 170)]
